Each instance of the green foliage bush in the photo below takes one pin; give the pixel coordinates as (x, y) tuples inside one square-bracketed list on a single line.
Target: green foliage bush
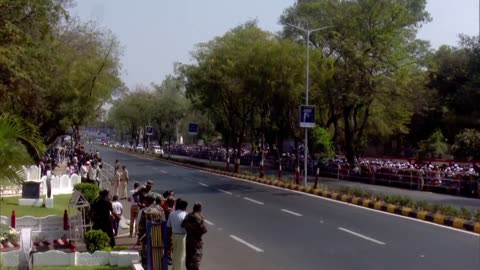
[(89, 191), (97, 240)]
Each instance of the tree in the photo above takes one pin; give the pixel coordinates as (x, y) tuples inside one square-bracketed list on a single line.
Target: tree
[(433, 146), (16, 137), (56, 72), (371, 45), (322, 143), (467, 144)]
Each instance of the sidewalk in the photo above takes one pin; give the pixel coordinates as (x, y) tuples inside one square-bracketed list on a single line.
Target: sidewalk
[(438, 198)]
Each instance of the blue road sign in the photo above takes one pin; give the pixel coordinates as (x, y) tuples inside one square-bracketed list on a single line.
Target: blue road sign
[(193, 129), (149, 131), (307, 116)]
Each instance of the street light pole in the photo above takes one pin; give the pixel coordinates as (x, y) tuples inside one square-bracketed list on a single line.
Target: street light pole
[(307, 32)]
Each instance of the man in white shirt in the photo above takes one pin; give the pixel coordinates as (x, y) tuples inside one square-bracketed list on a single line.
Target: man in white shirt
[(92, 173), (118, 210), (178, 234), (84, 171)]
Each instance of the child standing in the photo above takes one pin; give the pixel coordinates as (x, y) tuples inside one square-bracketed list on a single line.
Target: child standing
[(118, 210)]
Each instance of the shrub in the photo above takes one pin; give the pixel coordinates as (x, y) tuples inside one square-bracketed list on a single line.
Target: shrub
[(8, 234), (465, 213), (97, 240), (448, 210), (423, 206), (477, 215), (89, 191)]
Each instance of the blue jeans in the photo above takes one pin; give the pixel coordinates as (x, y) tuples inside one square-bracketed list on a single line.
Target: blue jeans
[(115, 226)]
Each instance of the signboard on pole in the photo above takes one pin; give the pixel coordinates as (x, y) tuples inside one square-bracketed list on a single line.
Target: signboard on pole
[(307, 116), (149, 131), (193, 129)]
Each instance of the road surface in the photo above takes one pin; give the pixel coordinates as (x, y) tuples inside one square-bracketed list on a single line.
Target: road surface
[(253, 226), (438, 198)]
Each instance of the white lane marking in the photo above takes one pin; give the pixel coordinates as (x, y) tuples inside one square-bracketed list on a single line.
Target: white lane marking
[(292, 213), (321, 222), (163, 171), (316, 197), (202, 184), (345, 203), (123, 235), (361, 236), (254, 201), (257, 249), (208, 222), (224, 191)]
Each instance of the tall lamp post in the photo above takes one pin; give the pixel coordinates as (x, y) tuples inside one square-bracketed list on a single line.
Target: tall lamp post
[(307, 32)]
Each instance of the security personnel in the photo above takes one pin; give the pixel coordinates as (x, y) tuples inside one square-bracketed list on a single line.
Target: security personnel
[(153, 214)]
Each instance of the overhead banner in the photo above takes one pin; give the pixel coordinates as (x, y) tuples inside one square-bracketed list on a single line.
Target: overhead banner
[(307, 116)]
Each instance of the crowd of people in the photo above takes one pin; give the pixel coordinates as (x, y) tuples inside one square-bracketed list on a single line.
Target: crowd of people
[(185, 230)]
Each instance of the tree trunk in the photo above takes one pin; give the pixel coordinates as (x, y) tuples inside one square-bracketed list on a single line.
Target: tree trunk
[(349, 137)]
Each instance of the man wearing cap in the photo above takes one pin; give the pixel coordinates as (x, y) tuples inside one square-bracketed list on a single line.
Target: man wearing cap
[(139, 196), (153, 214), (195, 227)]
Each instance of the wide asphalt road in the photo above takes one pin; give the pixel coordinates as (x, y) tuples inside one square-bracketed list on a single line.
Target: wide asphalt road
[(253, 226)]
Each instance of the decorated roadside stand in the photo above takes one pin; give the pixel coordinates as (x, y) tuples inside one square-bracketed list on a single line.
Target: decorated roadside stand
[(79, 222)]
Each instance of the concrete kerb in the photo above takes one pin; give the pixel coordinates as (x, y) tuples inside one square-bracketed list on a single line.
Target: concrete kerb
[(448, 221)]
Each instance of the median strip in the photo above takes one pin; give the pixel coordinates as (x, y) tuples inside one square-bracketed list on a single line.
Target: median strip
[(362, 236), (238, 239)]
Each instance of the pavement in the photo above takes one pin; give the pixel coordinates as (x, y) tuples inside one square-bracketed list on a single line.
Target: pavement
[(438, 198), (253, 226)]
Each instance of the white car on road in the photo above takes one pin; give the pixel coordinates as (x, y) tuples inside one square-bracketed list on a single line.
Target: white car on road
[(140, 148)]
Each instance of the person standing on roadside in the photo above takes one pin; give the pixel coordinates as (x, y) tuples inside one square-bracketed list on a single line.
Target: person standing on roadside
[(118, 210), (101, 210), (134, 208), (124, 183), (92, 173), (178, 234), (116, 179), (195, 227)]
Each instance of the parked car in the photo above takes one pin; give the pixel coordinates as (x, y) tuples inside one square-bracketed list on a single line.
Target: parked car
[(140, 148), (158, 150)]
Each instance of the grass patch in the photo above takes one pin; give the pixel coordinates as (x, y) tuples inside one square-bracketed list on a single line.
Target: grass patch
[(60, 203)]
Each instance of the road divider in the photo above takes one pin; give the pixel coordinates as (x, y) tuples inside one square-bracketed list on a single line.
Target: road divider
[(238, 239), (362, 236), (372, 203), (254, 201)]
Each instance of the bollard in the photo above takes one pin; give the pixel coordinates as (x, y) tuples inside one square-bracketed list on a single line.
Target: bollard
[(262, 169), (280, 172), (65, 221), (228, 164), (13, 220), (316, 178), (297, 175)]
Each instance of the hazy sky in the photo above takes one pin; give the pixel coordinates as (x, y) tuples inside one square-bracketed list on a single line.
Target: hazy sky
[(157, 33)]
